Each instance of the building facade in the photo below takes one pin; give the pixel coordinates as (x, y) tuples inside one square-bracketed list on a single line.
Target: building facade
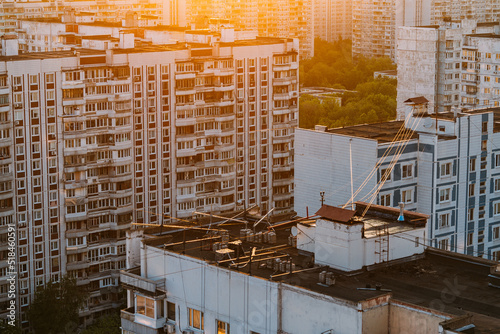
[(227, 282), (445, 167), (458, 65), (332, 19), (93, 140), (281, 19)]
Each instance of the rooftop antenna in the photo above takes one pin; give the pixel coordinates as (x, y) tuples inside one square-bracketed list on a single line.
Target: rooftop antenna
[(322, 194)]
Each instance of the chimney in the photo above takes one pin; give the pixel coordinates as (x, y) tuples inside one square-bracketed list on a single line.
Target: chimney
[(401, 217)]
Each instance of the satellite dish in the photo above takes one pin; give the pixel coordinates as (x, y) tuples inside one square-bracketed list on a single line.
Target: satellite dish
[(294, 231)]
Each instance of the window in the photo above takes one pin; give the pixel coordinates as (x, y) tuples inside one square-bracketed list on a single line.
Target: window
[(484, 145), (472, 188), (222, 327), (446, 169), (170, 311), (406, 196), (385, 173), (444, 195), (495, 256), (385, 200), (407, 171), (195, 318), (496, 208), (470, 214), (497, 184), (444, 220), (145, 306), (470, 238), (472, 163), (496, 233), (444, 244)]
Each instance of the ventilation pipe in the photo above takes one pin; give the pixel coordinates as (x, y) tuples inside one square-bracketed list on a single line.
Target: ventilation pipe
[(401, 209)]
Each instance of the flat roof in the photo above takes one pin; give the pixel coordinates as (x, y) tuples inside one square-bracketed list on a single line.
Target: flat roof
[(383, 132), (421, 280)]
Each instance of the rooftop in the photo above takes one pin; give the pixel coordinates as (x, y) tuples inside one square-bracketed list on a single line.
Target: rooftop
[(383, 132), (421, 280)]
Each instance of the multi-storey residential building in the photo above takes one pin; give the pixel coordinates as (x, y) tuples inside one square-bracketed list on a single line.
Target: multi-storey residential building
[(93, 140), (445, 165), (376, 23), (457, 65), (333, 19), (282, 18), (234, 282)]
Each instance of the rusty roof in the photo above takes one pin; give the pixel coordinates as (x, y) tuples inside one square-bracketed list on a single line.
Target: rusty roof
[(417, 100), (336, 214)]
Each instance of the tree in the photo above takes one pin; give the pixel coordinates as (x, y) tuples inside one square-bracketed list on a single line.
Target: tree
[(55, 307), (5, 328), (108, 324)]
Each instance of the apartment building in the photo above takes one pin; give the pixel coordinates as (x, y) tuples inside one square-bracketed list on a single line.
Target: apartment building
[(445, 165), (281, 19), (332, 19), (93, 140), (238, 280), (376, 24), (458, 65)]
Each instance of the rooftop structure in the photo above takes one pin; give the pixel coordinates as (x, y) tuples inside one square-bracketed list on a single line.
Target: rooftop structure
[(444, 165), (250, 277)]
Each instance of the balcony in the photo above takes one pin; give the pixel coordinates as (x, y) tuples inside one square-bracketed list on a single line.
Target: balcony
[(131, 279)]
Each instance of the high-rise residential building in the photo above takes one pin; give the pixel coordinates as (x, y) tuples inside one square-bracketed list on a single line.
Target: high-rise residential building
[(454, 65), (376, 23), (281, 18), (445, 165), (332, 19), (93, 140)]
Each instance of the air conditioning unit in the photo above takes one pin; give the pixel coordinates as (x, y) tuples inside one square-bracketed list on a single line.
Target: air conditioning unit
[(169, 328), (17, 123), (188, 331), (18, 105)]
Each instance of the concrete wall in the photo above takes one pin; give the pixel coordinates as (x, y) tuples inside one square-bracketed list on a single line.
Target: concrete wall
[(322, 164), (406, 318)]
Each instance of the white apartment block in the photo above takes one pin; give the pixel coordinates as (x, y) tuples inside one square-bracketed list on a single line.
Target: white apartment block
[(93, 140), (449, 168), (455, 65), (332, 19), (225, 282)]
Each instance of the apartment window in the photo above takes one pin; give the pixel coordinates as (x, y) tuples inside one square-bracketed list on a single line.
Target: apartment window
[(195, 318), (496, 208), (495, 233), (444, 195), (385, 173), (497, 185), (482, 187), (470, 214), (472, 163), (495, 256), (470, 238), (497, 160), (222, 327), (407, 171), (385, 200), (170, 311), (444, 220), (472, 189), (484, 145), (444, 244), (446, 169), (145, 306), (406, 196)]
